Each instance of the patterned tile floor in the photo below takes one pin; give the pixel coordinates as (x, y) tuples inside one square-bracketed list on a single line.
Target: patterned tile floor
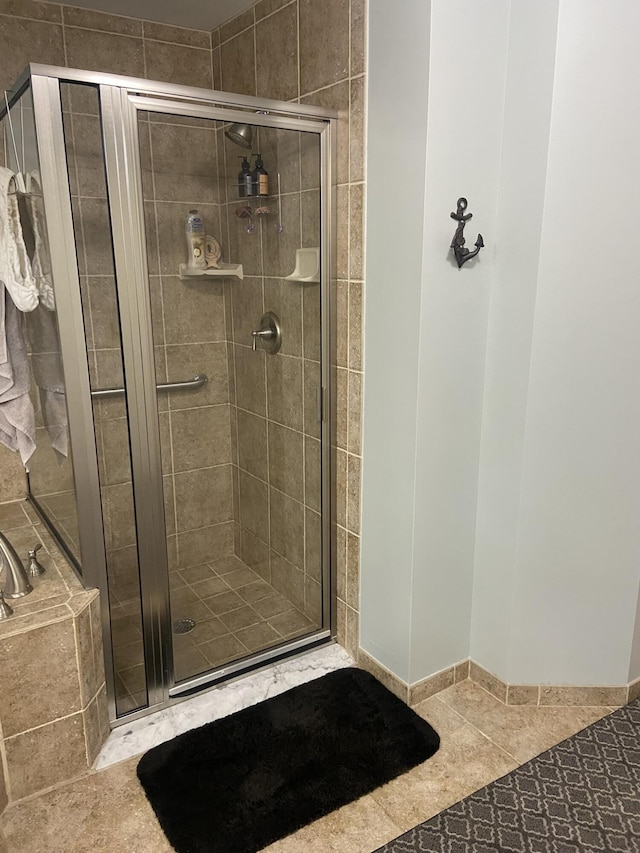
[(481, 740), (235, 611)]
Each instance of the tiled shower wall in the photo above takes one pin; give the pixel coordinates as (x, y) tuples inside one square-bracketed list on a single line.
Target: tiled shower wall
[(315, 53), (299, 50), (275, 406)]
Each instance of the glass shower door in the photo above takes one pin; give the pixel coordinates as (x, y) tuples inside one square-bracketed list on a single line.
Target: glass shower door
[(240, 435)]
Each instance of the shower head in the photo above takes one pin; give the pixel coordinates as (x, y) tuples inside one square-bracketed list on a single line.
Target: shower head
[(240, 134)]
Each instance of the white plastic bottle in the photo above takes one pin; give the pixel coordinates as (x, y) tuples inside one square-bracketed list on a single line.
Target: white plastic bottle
[(195, 233)]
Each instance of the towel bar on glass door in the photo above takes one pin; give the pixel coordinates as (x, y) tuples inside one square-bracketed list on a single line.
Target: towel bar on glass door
[(198, 381)]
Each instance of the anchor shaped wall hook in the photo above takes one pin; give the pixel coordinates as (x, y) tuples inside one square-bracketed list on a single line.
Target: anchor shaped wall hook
[(462, 254)]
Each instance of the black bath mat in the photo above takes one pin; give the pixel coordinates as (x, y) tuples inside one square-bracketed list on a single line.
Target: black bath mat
[(242, 782)]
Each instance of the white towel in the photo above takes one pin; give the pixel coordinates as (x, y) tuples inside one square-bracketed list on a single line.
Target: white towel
[(46, 364), (41, 261), (17, 417), (15, 268)]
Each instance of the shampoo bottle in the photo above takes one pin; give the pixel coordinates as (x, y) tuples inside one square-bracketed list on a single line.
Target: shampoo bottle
[(245, 187), (260, 178), (195, 233)]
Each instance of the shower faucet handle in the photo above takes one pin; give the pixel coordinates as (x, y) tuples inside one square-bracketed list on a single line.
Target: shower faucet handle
[(264, 334), (35, 568), (270, 333)]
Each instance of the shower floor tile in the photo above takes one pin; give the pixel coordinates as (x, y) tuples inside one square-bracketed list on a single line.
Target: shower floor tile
[(236, 612)]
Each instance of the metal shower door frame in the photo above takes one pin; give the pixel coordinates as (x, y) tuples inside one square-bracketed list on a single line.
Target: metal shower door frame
[(120, 106)]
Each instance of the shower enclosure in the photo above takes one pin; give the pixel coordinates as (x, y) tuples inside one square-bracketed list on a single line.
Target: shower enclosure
[(196, 488)]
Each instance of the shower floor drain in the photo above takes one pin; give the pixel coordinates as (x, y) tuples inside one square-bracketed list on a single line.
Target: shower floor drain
[(183, 626)]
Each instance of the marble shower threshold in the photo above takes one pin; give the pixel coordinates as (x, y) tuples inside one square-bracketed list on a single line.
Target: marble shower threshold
[(141, 735)]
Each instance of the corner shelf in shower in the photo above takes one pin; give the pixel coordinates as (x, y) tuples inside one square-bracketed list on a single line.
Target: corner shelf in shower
[(225, 271), (307, 266)]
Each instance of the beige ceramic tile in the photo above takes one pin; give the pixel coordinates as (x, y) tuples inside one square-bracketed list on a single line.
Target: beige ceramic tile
[(74, 17), (326, 24), (358, 827), (203, 497), (277, 35), (358, 35), (285, 300), (236, 25), (40, 666), (250, 380), (237, 58), (390, 681), (312, 472), (488, 680), (522, 694), (287, 527), (430, 686), (205, 544), (23, 41), (174, 63), (337, 98), (101, 813), (13, 484), (356, 138), (104, 51), (288, 580), (465, 762), (352, 642), (252, 444), (201, 437), (32, 9), (353, 571), (286, 467), (439, 715), (3, 790), (313, 544), (522, 731), (176, 35), (267, 7), (611, 696), (285, 390), (46, 756), (353, 493), (461, 671)]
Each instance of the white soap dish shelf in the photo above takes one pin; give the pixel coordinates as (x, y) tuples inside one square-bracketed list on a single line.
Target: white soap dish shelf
[(225, 271), (307, 265)]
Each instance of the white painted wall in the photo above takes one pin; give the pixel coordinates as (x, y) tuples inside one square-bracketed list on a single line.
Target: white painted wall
[(501, 497), (578, 553), (465, 119), (522, 187), (425, 340), (397, 127)]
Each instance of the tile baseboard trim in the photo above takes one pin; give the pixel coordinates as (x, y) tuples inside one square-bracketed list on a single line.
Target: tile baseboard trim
[(390, 680), (413, 694), (553, 695), (509, 694)]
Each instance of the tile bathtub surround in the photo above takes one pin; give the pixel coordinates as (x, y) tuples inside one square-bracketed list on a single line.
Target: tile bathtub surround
[(53, 700), (481, 740)]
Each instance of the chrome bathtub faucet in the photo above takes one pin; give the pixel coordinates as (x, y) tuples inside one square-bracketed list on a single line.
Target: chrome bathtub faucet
[(16, 580)]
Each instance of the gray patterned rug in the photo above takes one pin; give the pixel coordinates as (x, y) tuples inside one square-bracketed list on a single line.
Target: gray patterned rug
[(581, 795)]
